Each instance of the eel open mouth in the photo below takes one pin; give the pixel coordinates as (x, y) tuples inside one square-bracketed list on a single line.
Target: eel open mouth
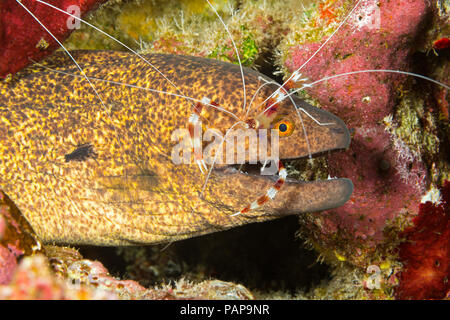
[(297, 196)]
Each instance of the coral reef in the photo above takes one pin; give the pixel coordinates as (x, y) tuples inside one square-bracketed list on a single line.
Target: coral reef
[(62, 273), (16, 238), (23, 40)]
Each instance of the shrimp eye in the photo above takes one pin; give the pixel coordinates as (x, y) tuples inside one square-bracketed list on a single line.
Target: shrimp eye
[(284, 127)]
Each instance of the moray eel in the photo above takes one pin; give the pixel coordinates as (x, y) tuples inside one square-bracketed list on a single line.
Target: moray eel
[(83, 173)]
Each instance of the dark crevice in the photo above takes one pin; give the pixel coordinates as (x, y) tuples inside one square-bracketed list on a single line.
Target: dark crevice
[(261, 256)]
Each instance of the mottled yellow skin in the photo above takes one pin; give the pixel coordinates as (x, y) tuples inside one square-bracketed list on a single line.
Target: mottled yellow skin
[(128, 191)]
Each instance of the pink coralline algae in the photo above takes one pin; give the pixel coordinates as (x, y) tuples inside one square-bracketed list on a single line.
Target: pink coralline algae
[(389, 178), (442, 43)]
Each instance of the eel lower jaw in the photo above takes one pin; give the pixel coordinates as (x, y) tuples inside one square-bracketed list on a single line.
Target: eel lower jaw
[(295, 196)]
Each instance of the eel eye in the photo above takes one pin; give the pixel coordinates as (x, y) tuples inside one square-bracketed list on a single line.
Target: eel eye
[(284, 127)]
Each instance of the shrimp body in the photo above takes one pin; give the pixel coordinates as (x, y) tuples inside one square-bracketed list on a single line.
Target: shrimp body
[(84, 174)]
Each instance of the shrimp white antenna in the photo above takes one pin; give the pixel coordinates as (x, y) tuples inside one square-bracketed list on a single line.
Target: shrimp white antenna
[(296, 72), (301, 109), (256, 93), (235, 49), (284, 96)]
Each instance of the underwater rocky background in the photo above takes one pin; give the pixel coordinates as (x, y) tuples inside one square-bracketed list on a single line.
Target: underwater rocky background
[(389, 241)]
